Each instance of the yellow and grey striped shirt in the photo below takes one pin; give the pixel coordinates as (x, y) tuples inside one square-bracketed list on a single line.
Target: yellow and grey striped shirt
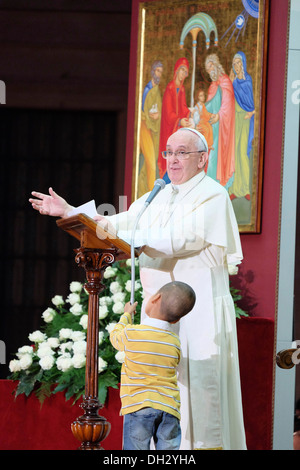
[(148, 376)]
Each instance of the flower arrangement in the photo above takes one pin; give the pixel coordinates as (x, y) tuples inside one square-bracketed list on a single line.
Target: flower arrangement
[(55, 360)]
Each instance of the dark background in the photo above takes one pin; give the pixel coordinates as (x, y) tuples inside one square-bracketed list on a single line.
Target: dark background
[(65, 65)]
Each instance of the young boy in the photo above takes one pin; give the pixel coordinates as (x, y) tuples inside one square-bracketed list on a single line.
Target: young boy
[(149, 392)]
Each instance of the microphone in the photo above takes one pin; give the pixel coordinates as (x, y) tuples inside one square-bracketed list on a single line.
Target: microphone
[(158, 186)]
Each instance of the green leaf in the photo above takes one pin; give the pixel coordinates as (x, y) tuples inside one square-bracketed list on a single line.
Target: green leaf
[(60, 387), (102, 392), (27, 383), (43, 392)]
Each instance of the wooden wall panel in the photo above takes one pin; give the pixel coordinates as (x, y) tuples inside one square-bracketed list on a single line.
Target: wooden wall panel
[(65, 59)]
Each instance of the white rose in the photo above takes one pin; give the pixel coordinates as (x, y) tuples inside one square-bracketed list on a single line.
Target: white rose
[(46, 362), (64, 363), (101, 364), (110, 272), (48, 315), (120, 356), (76, 309), (66, 347), (103, 312), (118, 307), (14, 366), (137, 285), (37, 336), (128, 286), (66, 355), (25, 361), (79, 347), (78, 336), (53, 342), (115, 287), (128, 262), (84, 321), (78, 360), (119, 297), (44, 350), (24, 350), (105, 300), (101, 336), (110, 327), (65, 333), (73, 298), (58, 300), (75, 286)]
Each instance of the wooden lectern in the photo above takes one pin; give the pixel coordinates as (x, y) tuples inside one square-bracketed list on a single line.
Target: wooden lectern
[(98, 249)]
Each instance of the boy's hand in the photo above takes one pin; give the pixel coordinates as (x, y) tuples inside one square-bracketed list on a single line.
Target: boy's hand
[(130, 308)]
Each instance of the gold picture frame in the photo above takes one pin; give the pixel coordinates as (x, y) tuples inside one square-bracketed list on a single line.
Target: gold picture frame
[(227, 38)]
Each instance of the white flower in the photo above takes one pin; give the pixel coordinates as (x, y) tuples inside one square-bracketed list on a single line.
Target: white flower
[(14, 366), (119, 297), (53, 342), (137, 285), (46, 362), (120, 356), (79, 347), (78, 336), (66, 347), (101, 336), (73, 298), (101, 364), (232, 269), (24, 350), (84, 321), (110, 272), (48, 315), (75, 286), (115, 287), (78, 360), (105, 300), (37, 336), (128, 262), (44, 350), (103, 312), (58, 300), (76, 309), (118, 307), (110, 327), (25, 361), (64, 363), (65, 333)]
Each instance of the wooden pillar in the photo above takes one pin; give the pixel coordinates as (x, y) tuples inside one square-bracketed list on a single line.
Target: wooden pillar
[(90, 428)]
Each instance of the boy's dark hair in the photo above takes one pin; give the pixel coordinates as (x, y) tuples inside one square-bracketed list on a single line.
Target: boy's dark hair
[(177, 299)]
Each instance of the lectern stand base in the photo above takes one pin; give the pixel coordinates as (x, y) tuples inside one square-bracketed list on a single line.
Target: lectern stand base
[(90, 428)]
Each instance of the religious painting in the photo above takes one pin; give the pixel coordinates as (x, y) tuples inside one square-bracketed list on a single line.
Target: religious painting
[(202, 64)]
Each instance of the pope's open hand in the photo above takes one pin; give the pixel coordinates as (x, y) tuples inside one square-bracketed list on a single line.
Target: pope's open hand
[(51, 204)]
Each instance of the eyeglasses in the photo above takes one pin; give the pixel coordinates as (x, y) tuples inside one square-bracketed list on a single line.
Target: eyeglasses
[(180, 154)]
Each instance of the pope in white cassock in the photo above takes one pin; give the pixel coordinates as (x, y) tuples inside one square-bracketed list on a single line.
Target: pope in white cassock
[(189, 233)]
